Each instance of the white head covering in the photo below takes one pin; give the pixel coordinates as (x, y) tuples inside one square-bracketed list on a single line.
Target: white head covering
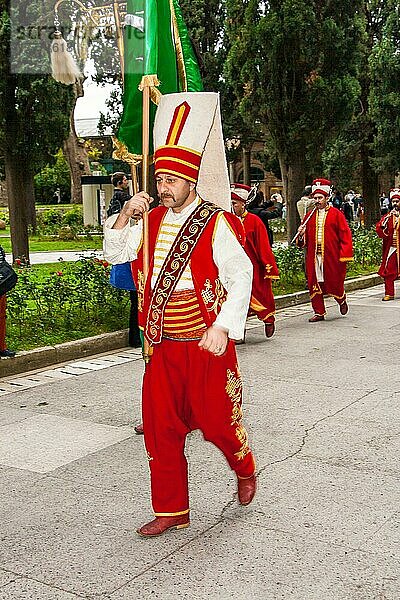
[(188, 142)]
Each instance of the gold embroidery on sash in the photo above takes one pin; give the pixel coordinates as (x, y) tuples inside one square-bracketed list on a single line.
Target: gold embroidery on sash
[(174, 266)]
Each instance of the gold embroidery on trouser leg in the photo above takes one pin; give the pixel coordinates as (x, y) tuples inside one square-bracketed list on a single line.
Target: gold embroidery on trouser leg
[(243, 438), (234, 390)]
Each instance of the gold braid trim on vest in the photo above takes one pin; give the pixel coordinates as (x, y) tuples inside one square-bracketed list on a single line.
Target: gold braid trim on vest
[(174, 265)]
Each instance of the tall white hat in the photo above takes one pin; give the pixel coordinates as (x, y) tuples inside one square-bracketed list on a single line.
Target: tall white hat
[(189, 143)]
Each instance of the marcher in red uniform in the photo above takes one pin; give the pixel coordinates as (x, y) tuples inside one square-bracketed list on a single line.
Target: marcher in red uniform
[(259, 251), (388, 230), (327, 238), (192, 305)]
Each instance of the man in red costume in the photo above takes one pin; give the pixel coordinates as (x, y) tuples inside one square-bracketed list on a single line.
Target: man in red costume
[(388, 230), (192, 305), (259, 251), (327, 238)]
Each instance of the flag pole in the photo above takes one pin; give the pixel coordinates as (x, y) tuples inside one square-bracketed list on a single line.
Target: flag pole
[(146, 84)]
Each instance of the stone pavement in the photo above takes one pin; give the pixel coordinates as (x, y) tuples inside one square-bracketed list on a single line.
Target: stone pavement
[(322, 410), (40, 258)]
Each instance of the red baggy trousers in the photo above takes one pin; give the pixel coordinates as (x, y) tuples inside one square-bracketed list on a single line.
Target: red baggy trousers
[(186, 388), (390, 279), (318, 304)]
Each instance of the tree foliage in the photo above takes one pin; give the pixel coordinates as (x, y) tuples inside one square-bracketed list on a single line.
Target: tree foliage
[(34, 113), (52, 177), (384, 93), (294, 69)]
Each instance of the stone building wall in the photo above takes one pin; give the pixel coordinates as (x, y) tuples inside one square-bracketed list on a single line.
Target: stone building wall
[(269, 184)]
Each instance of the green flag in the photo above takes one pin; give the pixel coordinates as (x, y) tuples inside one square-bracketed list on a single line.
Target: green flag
[(156, 42)]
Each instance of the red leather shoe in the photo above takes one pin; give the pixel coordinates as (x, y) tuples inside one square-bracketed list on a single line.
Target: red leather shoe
[(344, 308), (316, 318), (246, 489), (160, 525), (269, 329), (139, 429)]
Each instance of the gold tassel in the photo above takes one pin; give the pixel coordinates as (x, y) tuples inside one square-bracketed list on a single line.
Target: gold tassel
[(64, 68), (152, 82)]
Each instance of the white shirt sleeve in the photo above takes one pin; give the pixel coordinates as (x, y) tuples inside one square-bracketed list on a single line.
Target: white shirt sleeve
[(121, 245), (236, 275)]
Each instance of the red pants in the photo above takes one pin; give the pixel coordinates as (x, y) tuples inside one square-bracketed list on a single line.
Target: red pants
[(390, 279), (318, 303), (185, 388), (389, 285), (3, 322), (264, 308), (266, 315)]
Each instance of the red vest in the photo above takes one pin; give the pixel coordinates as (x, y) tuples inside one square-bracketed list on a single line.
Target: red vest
[(208, 287)]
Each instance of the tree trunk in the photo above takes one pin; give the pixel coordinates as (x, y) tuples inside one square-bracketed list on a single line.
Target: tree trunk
[(16, 167), (246, 166), (293, 177), (232, 174), (17, 208), (29, 200), (370, 189), (76, 155)]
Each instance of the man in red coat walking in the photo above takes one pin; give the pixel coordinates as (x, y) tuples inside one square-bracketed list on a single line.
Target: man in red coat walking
[(327, 238), (258, 249), (388, 230), (192, 305)]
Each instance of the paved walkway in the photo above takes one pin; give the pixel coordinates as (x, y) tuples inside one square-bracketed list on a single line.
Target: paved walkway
[(322, 410), (40, 258)]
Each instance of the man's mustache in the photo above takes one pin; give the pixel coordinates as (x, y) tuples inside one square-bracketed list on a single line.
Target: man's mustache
[(163, 196)]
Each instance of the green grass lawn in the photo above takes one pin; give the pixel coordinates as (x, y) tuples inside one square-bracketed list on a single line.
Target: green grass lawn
[(29, 332)]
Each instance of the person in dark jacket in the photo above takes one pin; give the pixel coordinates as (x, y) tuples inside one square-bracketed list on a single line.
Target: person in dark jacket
[(271, 209), (121, 194)]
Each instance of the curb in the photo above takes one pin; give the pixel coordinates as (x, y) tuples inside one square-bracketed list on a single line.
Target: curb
[(41, 358), (350, 285)]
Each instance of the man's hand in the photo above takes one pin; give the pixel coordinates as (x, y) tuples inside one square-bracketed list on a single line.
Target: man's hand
[(215, 340), (135, 207), (301, 230)]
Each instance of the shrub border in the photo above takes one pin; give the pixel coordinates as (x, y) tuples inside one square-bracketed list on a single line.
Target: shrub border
[(40, 358)]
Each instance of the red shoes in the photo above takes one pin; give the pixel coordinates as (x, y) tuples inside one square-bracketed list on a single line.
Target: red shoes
[(246, 492), (139, 429), (160, 525), (316, 318), (246, 489), (344, 308), (269, 329)]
